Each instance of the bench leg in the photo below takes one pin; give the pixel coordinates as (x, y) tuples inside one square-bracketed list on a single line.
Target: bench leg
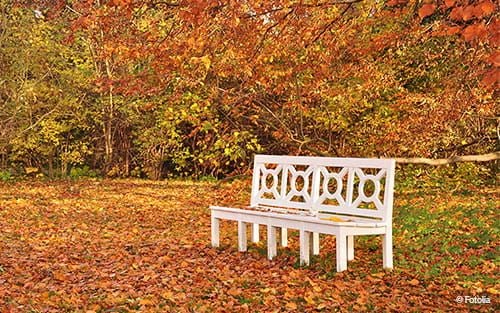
[(255, 233), (271, 242), (341, 252), (350, 248), (305, 247), (316, 243), (214, 229), (387, 249), (284, 237), (242, 236)]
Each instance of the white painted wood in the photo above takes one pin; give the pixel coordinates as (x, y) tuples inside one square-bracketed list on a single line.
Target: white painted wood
[(277, 201), (255, 184), (214, 230), (389, 192), (341, 250), (324, 161), (271, 242), (324, 193), (350, 248), (388, 203), (284, 237), (298, 222), (315, 240), (242, 236), (264, 217), (387, 249), (255, 233), (305, 246), (350, 188)]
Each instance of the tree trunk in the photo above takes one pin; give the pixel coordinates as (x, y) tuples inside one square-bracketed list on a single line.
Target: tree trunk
[(108, 131)]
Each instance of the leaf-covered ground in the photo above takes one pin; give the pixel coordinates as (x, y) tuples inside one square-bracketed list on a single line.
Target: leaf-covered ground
[(133, 245)]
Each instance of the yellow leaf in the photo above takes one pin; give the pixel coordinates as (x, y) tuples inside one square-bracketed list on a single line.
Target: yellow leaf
[(206, 61), (291, 306), (414, 282), (493, 291), (379, 275), (146, 302), (335, 219), (309, 300), (30, 170), (59, 276), (168, 295), (321, 307), (310, 282)]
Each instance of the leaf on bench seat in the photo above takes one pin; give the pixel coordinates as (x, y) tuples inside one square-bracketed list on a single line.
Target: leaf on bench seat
[(336, 219)]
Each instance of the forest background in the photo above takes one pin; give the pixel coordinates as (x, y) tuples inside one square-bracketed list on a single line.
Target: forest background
[(157, 89)]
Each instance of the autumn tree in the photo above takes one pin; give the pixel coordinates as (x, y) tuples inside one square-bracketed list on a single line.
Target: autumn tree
[(196, 87), (43, 117)]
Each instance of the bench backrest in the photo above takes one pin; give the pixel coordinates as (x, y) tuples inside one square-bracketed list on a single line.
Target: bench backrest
[(345, 186)]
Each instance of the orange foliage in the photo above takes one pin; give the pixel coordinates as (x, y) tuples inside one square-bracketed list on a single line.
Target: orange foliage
[(426, 10), (492, 78), (475, 32)]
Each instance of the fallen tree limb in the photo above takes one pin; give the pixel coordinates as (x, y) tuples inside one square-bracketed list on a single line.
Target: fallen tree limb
[(465, 158)]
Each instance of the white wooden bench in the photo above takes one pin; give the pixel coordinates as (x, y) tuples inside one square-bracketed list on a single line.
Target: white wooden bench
[(345, 197)]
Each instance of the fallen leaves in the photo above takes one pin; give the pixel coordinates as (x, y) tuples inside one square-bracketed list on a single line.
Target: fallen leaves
[(234, 292), (414, 282), (131, 245)]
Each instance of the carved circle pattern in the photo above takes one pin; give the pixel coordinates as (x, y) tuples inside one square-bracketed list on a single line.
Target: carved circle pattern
[(304, 191), (264, 188), (325, 191), (375, 197)]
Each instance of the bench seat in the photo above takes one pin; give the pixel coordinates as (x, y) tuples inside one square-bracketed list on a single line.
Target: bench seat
[(236, 214)]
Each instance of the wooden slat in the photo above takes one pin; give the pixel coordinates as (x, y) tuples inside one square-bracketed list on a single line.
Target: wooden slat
[(325, 161)]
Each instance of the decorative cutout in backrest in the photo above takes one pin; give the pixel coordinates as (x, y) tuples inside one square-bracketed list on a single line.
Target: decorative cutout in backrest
[(282, 185), (358, 187), (265, 187), (299, 183), (359, 192), (327, 193), (374, 197)]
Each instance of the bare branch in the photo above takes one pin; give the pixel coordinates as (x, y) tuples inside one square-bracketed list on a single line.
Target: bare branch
[(317, 5), (268, 30), (329, 25), (465, 158)]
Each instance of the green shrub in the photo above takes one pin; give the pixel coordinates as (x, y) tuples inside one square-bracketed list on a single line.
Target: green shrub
[(85, 171), (5, 176)]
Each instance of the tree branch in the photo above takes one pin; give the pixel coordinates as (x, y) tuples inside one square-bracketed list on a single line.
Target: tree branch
[(329, 25), (318, 5), (465, 158), (493, 156)]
